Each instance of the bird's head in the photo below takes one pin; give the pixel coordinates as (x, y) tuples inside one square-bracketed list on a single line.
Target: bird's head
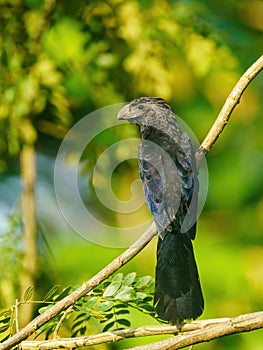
[(143, 111)]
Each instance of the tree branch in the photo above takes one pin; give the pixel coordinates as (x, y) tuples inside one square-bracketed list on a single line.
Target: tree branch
[(232, 100), (239, 324), (198, 331), (210, 139)]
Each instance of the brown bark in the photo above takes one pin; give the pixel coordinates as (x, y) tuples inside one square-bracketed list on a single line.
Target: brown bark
[(29, 259)]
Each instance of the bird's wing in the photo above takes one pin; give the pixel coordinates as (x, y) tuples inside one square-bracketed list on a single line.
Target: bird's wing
[(161, 184), (170, 184), (186, 166)]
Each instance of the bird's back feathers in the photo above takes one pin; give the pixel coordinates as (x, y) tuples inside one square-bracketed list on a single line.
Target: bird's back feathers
[(169, 177)]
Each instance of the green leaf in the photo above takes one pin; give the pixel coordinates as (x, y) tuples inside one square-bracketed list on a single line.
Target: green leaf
[(121, 305), (122, 312), (49, 331), (149, 298), (81, 317), (107, 317), (118, 277), (129, 279), (141, 295), (112, 289), (126, 294), (84, 311), (147, 308), (44, 308), (108, 326), (44, 329), (6, 320), (4, 328), (103, 307), (143, 281), (78, 326), (51, 293), (5, 338), (63, 294), (124, 322), (5, 313), (80, 331), (28, 293), (90, 304)]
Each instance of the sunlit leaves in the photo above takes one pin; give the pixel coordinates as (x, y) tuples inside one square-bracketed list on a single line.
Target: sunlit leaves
[(32, 20), (65, 42), (109, 304), (5, 324), (112, 289), (125, 294), (30, 81), (200, 54), (129, 279), (113, 299), (51, 293), (107, 52), (130, 29), (28, 293), (44, 70)]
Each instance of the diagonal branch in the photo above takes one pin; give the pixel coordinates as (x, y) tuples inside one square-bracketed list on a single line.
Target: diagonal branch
[(232, 100), (210, 139), (239, 324)]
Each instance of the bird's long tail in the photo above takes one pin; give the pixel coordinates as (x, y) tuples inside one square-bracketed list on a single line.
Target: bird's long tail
[(178, 295)]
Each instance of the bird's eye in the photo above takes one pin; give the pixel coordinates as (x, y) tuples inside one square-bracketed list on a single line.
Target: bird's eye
[(141, 106)]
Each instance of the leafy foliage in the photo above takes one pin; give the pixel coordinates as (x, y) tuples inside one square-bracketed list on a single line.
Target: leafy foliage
[(109, 304), (6, 320)]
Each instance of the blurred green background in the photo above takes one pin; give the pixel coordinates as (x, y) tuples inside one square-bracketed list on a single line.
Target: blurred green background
[(61, 60)]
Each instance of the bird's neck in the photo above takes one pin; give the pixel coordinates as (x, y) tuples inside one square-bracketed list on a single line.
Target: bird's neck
[(150, 133)]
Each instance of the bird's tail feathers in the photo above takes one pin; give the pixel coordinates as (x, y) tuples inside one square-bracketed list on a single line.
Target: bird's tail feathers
[(178, 294)]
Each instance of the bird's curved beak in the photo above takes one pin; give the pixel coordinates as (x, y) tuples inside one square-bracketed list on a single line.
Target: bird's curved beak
[(124, 113)]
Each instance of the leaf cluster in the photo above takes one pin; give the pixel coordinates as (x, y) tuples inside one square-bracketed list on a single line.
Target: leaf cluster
[(109, 304), (6, 323)]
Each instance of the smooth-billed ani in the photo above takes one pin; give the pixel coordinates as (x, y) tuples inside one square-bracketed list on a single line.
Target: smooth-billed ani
[(169, 177)]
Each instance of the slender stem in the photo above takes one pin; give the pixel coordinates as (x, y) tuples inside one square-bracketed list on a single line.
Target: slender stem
[(28, 205), (232, 100), (16, 316), (63, 317)]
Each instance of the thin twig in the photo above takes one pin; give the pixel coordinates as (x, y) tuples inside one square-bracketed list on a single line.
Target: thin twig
[(210, 139), (63, 317), (232, 100), (16, 315)]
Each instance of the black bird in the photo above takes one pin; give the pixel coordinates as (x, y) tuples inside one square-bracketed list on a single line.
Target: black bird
[(169, 176)]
